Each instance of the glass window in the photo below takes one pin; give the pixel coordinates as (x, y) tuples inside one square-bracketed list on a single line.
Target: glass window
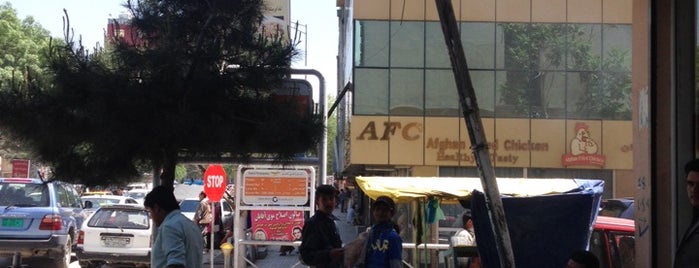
[(484, 86), (584, 47), (371, 91), (120, 218), (511, 92), (63, 199), (406, 92), (436, 53), (551, 89), (599, 95), (407, 44), (478, 40), (616, 45), (371, 43), (441, 97)]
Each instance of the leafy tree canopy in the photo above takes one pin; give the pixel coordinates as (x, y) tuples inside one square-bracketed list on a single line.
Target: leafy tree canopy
[(198, 84)]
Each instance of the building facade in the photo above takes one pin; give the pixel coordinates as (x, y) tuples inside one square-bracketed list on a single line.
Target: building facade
[(552, 81), (660, 133)]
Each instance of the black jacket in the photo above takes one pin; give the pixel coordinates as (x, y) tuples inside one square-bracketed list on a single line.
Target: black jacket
[(318, 237)]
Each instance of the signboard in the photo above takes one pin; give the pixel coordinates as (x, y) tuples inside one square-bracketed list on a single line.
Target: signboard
[(275, 225), (215, 182), (275, 186), (20, 168)]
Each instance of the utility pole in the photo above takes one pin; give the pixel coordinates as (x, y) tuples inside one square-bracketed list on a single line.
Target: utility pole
[(479, 145)]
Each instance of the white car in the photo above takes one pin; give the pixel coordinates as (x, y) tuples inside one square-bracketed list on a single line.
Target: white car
[(138, 194), (93, 202), (115, 234)]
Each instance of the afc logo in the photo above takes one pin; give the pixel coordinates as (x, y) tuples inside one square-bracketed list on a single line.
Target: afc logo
[(410, 132)]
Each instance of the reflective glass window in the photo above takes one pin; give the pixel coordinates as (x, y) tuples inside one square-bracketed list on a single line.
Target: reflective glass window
[(371, 43), (371, 91), (441, 98), (436, 53), (407, 44), (478, 40), (406, 92)]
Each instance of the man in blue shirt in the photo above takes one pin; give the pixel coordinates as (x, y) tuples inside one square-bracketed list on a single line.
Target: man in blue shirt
[(178, 242)]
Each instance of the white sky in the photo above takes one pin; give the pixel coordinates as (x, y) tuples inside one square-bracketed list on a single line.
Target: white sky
[(88, 18)]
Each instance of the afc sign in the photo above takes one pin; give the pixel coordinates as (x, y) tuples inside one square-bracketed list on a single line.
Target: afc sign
[(410, 131)]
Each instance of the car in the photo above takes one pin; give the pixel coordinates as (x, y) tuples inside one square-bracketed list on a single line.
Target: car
[(40, 220), (613, 241), (96, 193), (138, 194), (93, 202), (115, 234), (618, 207)]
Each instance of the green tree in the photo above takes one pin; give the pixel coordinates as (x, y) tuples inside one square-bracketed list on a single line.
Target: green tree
[(199, 84), (24, 45)]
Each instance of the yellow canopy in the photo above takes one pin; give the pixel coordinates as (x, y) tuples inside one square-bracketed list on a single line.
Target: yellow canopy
[(404, 189)]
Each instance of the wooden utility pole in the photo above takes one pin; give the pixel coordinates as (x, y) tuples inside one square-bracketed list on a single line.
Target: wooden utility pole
[(469, 105)]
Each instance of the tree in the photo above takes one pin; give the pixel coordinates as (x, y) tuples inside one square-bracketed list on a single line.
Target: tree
[(199, 84), (24, 45)]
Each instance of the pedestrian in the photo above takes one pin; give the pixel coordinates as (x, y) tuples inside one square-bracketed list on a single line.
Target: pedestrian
[(321, 245), (582, 259), (686, 254), (178, 241), (383, 247), (466, 237), (202, 217)]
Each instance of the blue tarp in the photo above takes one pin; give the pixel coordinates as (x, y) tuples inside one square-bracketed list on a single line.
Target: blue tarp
[(544, 230)]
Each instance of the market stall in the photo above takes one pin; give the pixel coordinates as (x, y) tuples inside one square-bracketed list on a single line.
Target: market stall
[(547, 218)]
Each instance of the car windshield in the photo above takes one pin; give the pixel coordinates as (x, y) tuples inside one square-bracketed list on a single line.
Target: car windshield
[(23, 194), (189, 205), (98, 202), (137, 195), (120, 218)]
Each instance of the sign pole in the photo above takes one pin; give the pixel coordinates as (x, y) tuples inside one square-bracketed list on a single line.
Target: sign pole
[(211, 240), (214, 185)]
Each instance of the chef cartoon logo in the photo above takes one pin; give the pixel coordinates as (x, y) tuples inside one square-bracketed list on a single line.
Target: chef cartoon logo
[(583, 149)]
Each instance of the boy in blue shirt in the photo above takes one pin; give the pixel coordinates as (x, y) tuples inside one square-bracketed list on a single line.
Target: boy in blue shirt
[(384, 246)]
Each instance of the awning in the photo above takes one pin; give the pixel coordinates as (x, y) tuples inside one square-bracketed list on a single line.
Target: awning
[(404, 189)]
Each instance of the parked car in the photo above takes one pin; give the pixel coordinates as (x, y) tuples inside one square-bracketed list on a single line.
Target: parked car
[(613, 241), (93, 202), (39, 220), (618, 207), (115, 234)]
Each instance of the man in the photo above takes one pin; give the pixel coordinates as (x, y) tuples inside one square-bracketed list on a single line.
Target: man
[(178, 242), (321, 245), (466, 237), (686, 254)]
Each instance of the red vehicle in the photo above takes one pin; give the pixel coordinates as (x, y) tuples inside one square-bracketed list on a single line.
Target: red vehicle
[(613, 242)]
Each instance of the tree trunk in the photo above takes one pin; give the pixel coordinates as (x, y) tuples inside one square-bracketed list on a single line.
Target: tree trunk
[(169, 161)]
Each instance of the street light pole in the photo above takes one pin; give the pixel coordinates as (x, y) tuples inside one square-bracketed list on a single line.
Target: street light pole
[(322, 162)]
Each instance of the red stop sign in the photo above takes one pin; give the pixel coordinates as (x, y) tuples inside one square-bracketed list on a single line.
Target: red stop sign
[(215, 182)]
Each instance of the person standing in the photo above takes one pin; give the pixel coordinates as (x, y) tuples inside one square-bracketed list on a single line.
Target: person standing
[(466, 237), (178, 241), (383, 247), (686, 254), (321, 245)]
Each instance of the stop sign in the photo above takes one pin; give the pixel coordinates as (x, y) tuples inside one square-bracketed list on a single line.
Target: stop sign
[(214, 182)]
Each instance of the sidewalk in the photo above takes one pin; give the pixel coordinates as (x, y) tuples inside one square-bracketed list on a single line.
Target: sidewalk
[(348, 232)]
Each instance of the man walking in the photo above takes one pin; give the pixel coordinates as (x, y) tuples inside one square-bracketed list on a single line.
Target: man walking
[(178, 242)]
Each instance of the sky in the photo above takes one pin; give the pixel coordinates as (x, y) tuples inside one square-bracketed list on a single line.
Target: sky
[(88, 18)]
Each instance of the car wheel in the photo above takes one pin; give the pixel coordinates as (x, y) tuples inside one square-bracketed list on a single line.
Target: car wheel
[(64, 261)]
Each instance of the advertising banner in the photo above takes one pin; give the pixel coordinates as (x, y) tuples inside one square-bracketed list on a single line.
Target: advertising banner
[(20, 168), (276, 225)]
